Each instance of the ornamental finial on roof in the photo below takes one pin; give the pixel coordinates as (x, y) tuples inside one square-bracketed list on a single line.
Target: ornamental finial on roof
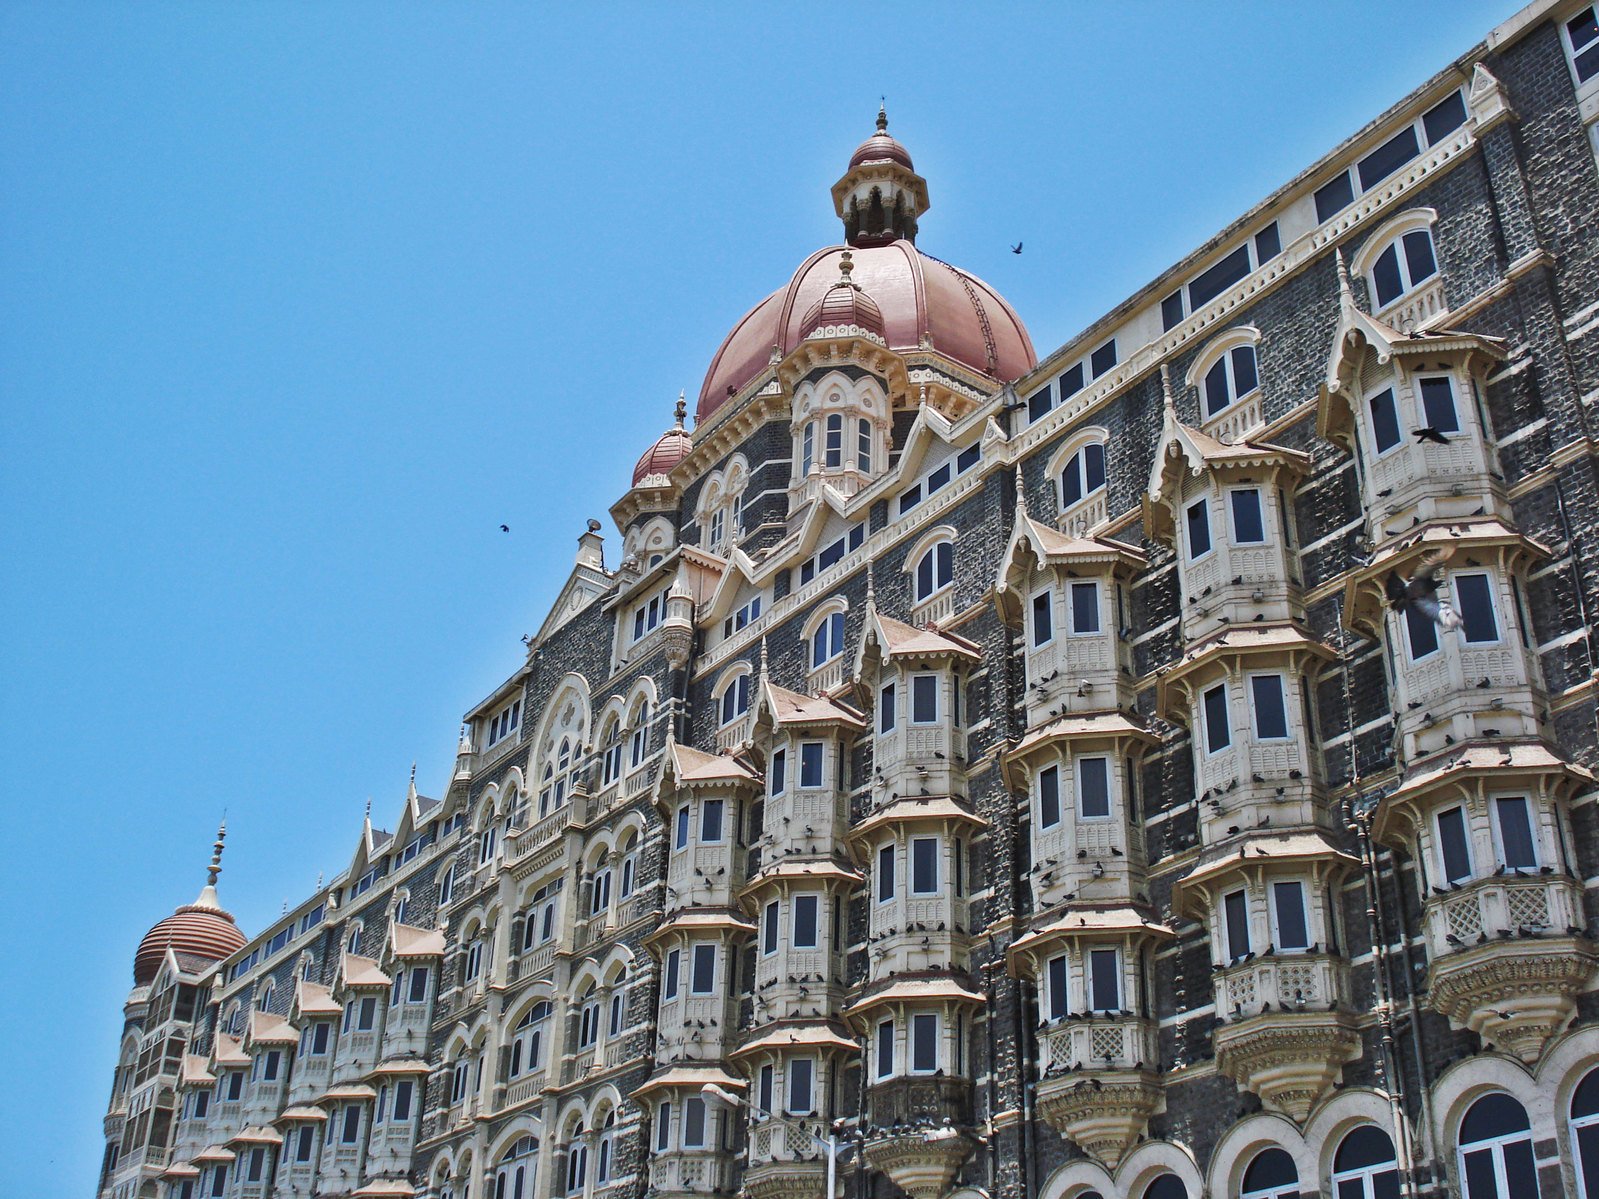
[(846, 264), (871, 586), (215, 868), (1021, 491), (882, 115), (369, 809), (681, 410), (1346, 295), (763, 658), (1165, 391)]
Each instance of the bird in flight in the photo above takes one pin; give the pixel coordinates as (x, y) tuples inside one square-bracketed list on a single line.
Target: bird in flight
[(505, 528), (1430, 434), (1017, 248), (1421, 591)]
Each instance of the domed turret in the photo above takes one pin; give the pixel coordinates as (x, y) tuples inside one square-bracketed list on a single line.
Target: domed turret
[(881, 197), (669, 449), (845, 308), (201, 929), (880, 147)]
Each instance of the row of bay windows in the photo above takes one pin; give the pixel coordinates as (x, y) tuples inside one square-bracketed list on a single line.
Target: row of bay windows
[(1084, 616), (1267, 696), (513, 1177), (1438, 409), (1473, 599), (1246, 521), (923, 869), (1094, 779), (836, 443)]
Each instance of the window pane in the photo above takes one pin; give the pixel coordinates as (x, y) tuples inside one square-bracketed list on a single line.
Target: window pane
[(1057, 989), (694, 1121), (710, 821), (924, 865), (1093, 787), (1385, 276), (1049, 797), (1421, 633), (1388, 157), (1443, 119), (885, 873), (1268, 244), (885, 710), (778, 771), (1515, 832), (1384, 421), (1519, 1172), (769, 917), (1104, 972), (1085, 607), (682, 826), (1217, 393), (1418, 256), (1218, 735), (1333, 197), (1481, 1181), (1292, 929), (1453, 844), (805, 913), (1218, 278), (704, 969), (1271, 713), (1474, 599), (799, 1086), (1438, 404), (1236, 910), (1249, 526), (1071, 479), (1040, 402), (924, 1043), (810, 764), (1103, 358), (1245, 378), (885, 1049), (1043, 628), (1071, 382), (1171, 310), (1198, 518), (1094, 466), (924, 699)]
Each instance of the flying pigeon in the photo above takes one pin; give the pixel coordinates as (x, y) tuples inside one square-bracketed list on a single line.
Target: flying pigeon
[(1421, 592)]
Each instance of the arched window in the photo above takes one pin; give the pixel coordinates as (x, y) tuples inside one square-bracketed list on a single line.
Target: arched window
[(602, 1162), (264, 1003), (1402, 266), (935, 570), (1167, 1186), (1230, 379), (1364, 1166), (611, 752), (639, 742), (589, 1021), (600, 892), (1272, 1175), (527, 1043), (577, 1161), (352, 940), (863, 446), (833, 441), (629, 866), (514, 1177), (1585, 1135), (1083, 474), (1496, 1150), (447, 885), (735, 698), (827, 639)]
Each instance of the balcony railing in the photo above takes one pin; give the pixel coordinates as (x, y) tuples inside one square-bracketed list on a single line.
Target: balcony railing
[(1500, 909), (1113, 1043), (1285, 981)]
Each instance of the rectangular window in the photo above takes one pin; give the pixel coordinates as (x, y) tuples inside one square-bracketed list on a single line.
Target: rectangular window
[(202, 1099), (958, 866), (1059, 997), (256, 1164), (1444, 118), (1235, 914), (805, 921), (1421, 634), (302, 1149), (1171, 311), (704, 970), (1249, 522), (1085, 607), (1104, 980), (663, 1127), (673, 964), (1582, 31), (1438, 404), (764, 1096), (924, 1043), (810, 764), (419, 985), (1207, 286), (924, 865), (1218, 730), (1516, 845), (1049, 797), (694, 1122), (1454, 848), (219, 1181), (1388, 158), (1043, 618), (269, 1066), (769, 920), (1071, 382), (1197, 520), (319, 1037), (885, 709), (799, 1074), (1288, 904), (1039, 403), (885, 874), (1384, 420), (235, 1086), (1102, 359), (368, 1016), (351, 1132), (402, 1100), (1474, 598), (1268, 244), (1333, 197), (1270, 707), (1093, 788), (710, 821), (681, 841), (885, 1048), (777, 772), (924, 699)]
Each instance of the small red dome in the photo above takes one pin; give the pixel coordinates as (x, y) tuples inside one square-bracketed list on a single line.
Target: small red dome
[(881, 148), (844, 306), (672, 447), (198, 929)]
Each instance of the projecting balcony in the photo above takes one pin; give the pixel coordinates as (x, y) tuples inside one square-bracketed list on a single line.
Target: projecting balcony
[(1099, 1082), (918, 1135), (784, 1164), (1509, 957), (540, 833), (1236, 422), (692, 1173)]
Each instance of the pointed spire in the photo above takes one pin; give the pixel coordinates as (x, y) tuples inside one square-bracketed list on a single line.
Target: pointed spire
[(762, 675), (846, 264), (681, 408), (410, 794), (882, 115), (1165, 392), (1346, 294), (871, 586), (208, 893), (369, 810), (1021, 490)]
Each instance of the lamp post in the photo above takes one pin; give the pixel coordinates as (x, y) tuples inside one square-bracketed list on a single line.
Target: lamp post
[(832, 1146)]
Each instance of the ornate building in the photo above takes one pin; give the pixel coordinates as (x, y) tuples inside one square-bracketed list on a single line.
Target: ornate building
[(990, 777)]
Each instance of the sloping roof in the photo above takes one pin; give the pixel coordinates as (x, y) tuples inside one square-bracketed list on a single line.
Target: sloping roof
[(256, 1135), (229, 1051), (357, 971), (818, 1035), (1081, 724), (1261, 848), (300, 1113), (196, 1071), (268, 1029), (692, 765), (1092, 920), (348, 1093), (790, 707), (409, 942), (313, 999), (896, 639), (402, 1066), (214, 1153), (681, 1075), (925, 807), (918, 990)]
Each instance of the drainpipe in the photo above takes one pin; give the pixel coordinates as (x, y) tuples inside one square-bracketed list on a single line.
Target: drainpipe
[(993, 1089)]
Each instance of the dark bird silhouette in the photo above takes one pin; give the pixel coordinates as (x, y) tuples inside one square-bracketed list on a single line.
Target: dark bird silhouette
[(505, 528), (1017, 248), (1421, 591), (1428, 433)]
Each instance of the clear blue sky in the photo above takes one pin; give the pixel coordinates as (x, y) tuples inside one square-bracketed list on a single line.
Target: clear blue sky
[(299, 302)]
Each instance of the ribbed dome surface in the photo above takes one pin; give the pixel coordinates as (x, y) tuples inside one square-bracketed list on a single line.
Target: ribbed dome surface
[(197, 929), (880, 148), (918, 298), (844, 306), (672, 447)]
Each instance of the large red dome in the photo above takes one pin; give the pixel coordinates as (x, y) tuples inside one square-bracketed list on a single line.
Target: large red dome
[(197, 929), (919, 298)]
